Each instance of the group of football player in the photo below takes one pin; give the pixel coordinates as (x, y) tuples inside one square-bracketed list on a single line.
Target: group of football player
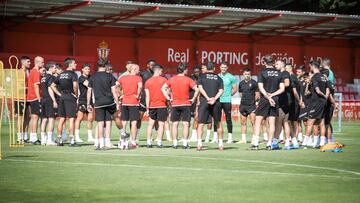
[(280, 102)]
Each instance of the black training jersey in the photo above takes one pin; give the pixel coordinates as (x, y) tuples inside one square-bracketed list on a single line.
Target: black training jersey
[(211, 83), (320, 81), (101, 84), (145, 75), (46, 81), (285, 97), (294, 83), (305, 98), (65, 81), (248, 89), (82, 89), (271, 78), (194, 78)]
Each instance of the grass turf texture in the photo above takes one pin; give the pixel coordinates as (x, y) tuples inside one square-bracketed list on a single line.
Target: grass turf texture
[(64, 174)]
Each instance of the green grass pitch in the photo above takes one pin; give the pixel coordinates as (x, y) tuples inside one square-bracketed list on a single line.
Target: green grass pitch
[(63, 174)]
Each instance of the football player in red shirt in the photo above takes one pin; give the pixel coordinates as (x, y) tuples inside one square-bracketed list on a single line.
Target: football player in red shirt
[(180, 86), (33, 97), (156, 104)]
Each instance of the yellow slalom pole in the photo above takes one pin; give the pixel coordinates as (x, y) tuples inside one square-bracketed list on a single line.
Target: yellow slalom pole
[(2, 97), (14, 95)]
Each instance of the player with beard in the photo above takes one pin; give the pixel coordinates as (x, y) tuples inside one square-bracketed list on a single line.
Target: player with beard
[(22, 111), (82, 106), (230, 89), (270, 85), (102, 86), (211, 88), (180, 86), (295, 101), (34, 98), (66, 83), (319, 96), (282, 121), (145, 75), (249, 92), (48, 105), (156, 105)]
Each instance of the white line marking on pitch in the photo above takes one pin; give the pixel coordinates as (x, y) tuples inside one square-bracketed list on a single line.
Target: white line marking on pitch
[(211, 158), (182, 168)]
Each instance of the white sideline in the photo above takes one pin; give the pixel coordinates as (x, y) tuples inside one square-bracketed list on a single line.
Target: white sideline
[(211, 158), (184, 168)]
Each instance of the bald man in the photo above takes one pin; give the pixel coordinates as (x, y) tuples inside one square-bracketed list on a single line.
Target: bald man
[(34, 98)]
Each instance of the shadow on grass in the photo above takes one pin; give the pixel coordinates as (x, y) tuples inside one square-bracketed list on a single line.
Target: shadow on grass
[(20, 156)]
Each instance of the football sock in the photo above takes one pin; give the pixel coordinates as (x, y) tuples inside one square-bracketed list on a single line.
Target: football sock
[(50, 136), (243, 137), (305, 140), (199, 142), (221, 143), (230, 136), (175, 142), (185, 142), (287, 142), (101, 142), (26, 136), (90, 137), (72, 139), (265, 136)]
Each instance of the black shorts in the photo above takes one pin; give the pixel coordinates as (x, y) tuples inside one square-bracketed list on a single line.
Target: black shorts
[(47, 108), (35, 108), (246, 110), (206, 111), (67, 106), (20, 107), (317, 109), (82, 108), (130, 113), (142, 105), (329, 112), (193, 109), (304, 113), (265, 109), (158, 114), (105, 113), (294, 111), (180, 113)]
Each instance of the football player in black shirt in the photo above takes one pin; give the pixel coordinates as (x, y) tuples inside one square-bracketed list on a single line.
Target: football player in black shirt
[(66, 84), (82, 108), (48, 104), (211, 88), (331, 104), (249, 93), (295, 100), (116, 116), (103, 89), (194, 114), (282, 121), (145, 75), (319, 96), (270, 86), (300, 72), (329, 108)]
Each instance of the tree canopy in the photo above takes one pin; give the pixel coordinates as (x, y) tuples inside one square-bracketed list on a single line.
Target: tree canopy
[(351, 7)]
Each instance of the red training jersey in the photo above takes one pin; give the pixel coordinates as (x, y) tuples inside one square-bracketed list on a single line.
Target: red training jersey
[(34, 78), (157, 98), (180, 87), (129, 85)]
